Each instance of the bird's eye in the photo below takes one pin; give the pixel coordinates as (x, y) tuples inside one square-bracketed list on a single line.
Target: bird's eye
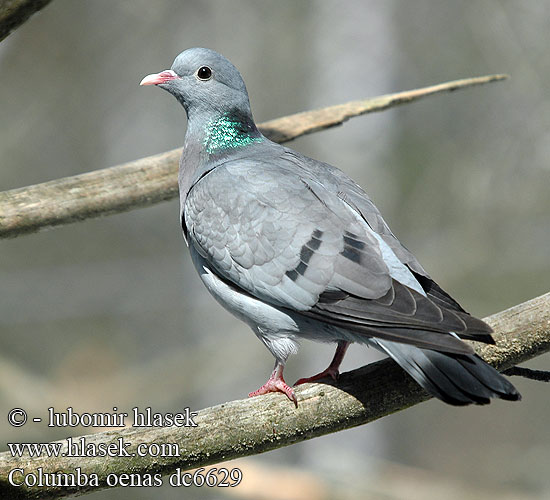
[(204, 73)]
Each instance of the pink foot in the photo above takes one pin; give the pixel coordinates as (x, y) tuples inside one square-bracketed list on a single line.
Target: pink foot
[(329, 372), (332, 370), (276, 383)]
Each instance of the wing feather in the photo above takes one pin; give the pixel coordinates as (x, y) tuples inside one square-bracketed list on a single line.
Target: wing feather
[(320, 249)]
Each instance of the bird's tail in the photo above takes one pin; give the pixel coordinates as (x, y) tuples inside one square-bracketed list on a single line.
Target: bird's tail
[(457, 379)]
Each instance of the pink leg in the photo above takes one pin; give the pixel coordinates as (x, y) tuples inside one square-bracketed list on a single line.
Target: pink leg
[(332, 370), (276, 383)]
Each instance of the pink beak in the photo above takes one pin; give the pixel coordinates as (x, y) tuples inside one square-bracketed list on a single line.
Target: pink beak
[(158, 78)]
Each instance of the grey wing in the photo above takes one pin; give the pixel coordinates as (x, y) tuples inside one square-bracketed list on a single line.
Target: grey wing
[(282, 237), (351, 193), (266, 231)]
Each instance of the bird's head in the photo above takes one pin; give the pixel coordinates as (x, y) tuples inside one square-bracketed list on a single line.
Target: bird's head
[(204, 82)]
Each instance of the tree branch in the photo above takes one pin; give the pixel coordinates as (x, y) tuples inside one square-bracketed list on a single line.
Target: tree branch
[(154, 179), (13, 13), (252, 426), (538, 375)]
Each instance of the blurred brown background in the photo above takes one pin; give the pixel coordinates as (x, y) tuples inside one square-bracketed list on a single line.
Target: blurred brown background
[(109, 312)]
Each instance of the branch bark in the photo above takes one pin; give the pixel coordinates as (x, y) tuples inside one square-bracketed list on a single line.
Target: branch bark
[(154, 179), (252, 426), (13, 13)]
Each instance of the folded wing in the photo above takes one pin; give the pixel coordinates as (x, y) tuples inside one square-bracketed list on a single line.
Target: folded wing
[(280, 235)]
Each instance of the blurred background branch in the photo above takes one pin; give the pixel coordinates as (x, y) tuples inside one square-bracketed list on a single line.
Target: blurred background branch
[(154, 179), (13, 13), (255, 425)]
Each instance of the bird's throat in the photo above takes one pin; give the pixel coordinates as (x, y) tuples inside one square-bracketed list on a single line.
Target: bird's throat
[(229, 131)]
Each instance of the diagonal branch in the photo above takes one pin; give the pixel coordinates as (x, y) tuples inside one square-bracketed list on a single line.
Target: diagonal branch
[(153, 179), (13, 13), (252, 426)]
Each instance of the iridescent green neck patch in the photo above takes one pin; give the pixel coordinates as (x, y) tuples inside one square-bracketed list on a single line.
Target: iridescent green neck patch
[(227, 132)]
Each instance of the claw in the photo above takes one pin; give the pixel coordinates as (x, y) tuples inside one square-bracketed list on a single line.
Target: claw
[(331, 372), (276, 383), (333, 369)]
